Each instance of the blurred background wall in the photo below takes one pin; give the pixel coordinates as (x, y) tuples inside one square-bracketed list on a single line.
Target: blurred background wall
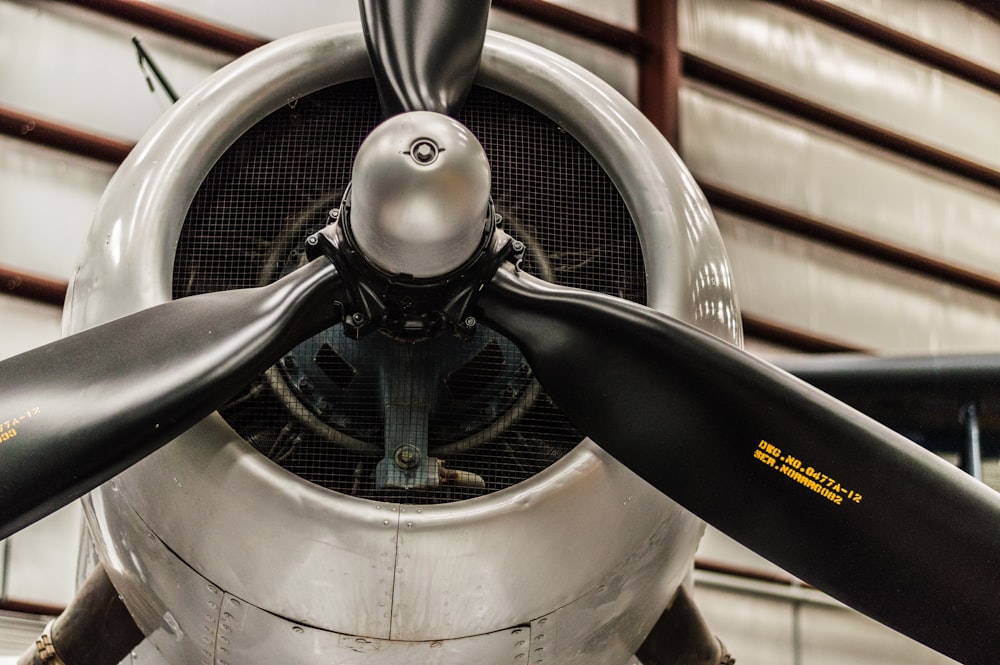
[(850, 149)]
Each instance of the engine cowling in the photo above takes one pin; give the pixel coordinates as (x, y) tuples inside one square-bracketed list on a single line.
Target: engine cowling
[(222, 553)]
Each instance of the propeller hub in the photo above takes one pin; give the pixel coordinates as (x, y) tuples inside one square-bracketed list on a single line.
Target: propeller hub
[(420, 195)]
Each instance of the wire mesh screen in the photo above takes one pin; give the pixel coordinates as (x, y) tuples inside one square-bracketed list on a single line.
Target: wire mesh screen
[(331, 408)]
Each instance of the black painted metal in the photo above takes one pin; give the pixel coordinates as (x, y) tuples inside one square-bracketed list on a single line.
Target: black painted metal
[(681, 637), (923, 398), (971, 459), (823, 491), (146, 60), (404, 306), (83, 408), (96, 628), (855, 375), (922, 393), (424, 53)]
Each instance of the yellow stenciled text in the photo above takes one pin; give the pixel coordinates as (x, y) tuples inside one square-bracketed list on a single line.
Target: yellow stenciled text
[(808, 477)]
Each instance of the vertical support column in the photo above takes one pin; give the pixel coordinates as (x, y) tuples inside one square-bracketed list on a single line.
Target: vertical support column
[(660, 67), (4, 568), (971, 458)]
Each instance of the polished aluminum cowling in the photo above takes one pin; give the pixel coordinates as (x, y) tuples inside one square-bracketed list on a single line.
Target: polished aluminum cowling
[(223, 556)]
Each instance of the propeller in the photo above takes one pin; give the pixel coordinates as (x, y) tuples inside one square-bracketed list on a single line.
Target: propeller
[(816, 487), (820, 489), (424, 53), (81, 409)]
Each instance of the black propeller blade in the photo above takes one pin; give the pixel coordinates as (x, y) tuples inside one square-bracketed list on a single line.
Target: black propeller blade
[(424, 53), (79, 410), (832, 496)]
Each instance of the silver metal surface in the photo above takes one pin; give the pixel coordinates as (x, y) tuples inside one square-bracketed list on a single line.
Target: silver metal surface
[(618, 68), (952, 26), (516, 554), (253, 636), (826, 65), (174, 607), (793, 165), (817, 288), (585, 542), (41, 71), (419, 195), (60, 191)]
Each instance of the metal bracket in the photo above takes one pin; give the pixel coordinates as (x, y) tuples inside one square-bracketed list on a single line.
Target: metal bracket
[(405, 306)]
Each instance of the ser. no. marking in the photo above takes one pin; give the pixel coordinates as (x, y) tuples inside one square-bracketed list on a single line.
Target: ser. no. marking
[(812, 479), (8, 428)]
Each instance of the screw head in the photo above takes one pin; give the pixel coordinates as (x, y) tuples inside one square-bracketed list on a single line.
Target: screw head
[(406, 456), (424, 151)]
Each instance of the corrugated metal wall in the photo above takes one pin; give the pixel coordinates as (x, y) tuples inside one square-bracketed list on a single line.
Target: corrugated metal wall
[(764, 151)]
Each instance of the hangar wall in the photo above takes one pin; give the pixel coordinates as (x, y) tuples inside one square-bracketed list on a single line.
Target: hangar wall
[(62, 62), (807, 167)]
